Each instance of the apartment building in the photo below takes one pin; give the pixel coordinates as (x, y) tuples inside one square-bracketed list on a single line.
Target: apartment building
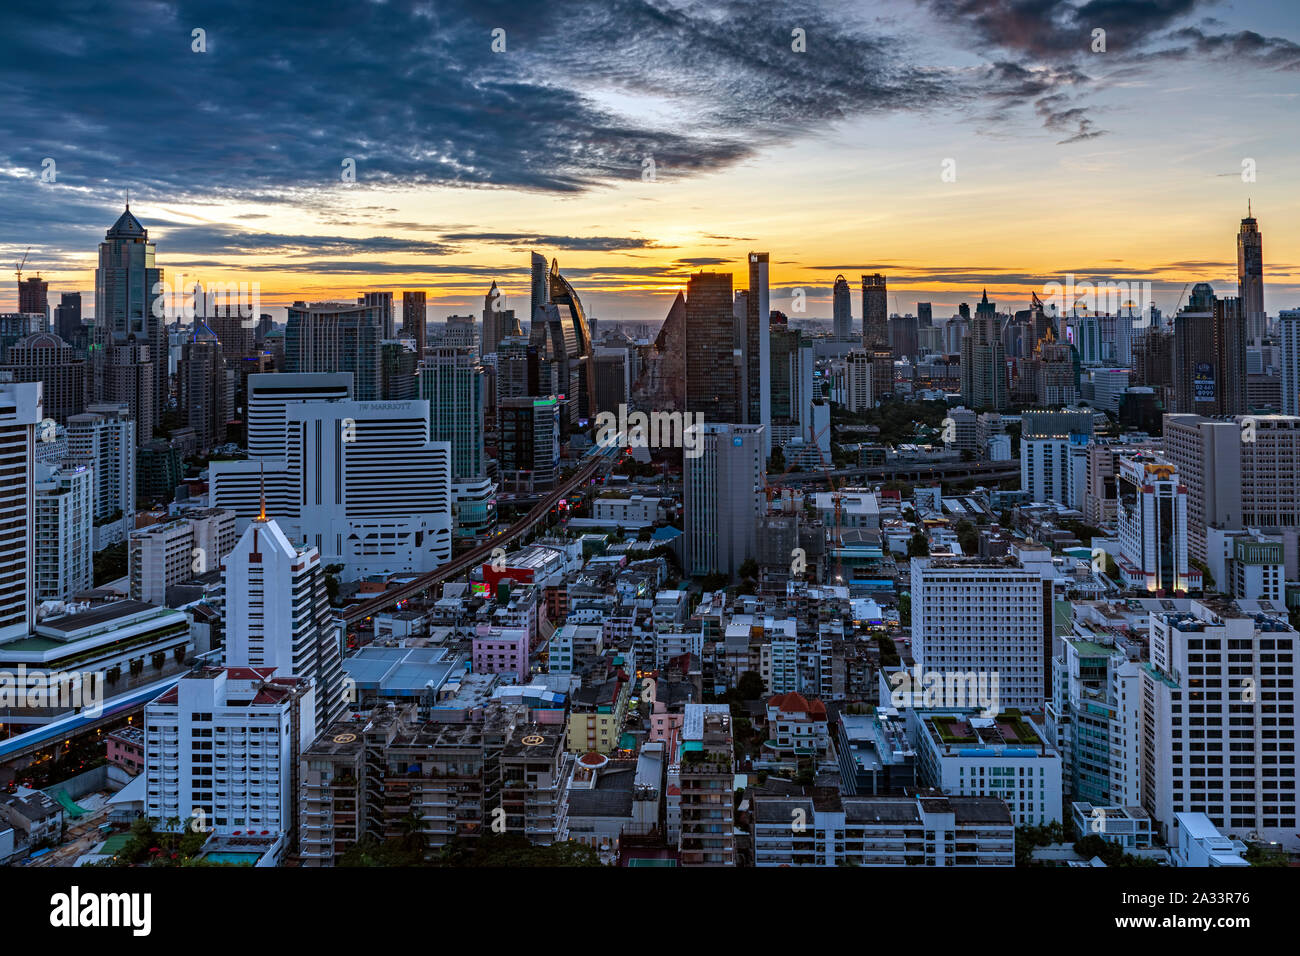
[(705, 779), (173, 552)]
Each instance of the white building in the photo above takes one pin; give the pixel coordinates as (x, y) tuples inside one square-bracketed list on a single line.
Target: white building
[(1289, 321), (857, 381), (924, 830), (173, 552), (978, 616), (858, 508), (1201, 844), (1246, 564), (65, 507), (104, 437), (20, 412), (223, 746), (360, 481), (278, 616), (1003, 756), (1046, 468), (629, 511), (1220, 720), (1151, 512)]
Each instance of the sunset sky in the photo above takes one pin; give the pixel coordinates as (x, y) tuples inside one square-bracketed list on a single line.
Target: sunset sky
[(1125, 164)]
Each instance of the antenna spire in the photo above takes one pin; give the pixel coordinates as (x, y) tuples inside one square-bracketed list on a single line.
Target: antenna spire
[(262, 515)]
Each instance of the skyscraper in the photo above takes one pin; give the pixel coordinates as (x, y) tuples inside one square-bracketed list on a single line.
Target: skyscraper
[(20, 411), (104, 437), (278, 614), (538, 287), (983, 362), (498, 321), (338, 337), (1289, 321), (713, 381), (842, 306), (875, 330), (46, 358), (34, 299), (65, 516), (924, 315), (1250, 277), (67, 320), (201, 389), (452, 382), (723, 498), (129, 318), (758, 347), (415, 319), (1209, 362)]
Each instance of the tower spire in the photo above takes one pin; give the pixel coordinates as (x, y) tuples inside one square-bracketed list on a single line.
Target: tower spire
[(262, 515)]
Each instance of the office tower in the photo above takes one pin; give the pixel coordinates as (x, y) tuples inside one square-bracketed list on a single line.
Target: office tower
[(1270, 478), (458, 332), (904, 336), (67, 320), (569, 346), (882, 374), (1053, 454), (983, 362), (528, 452), (963, 310), (857, 381), (64, 522), (1289, 322), (400, 363), (723, 498), (1219, 720), (33, 298), (842, 309), (1051, 372), (1247, 564), (104, 436), (326, 337), (415, 319), (706, 780), (875, 331), (46, 358), (159, 469), (20, 413), (538, 286), (924, 315), (358, 480), (381, 304), (790, 389), (498, 321), (1250, 278), (758, 347), (613, 378), (225, 743), (278, 614), (1207, 455), (172, 552), (1209, 364), (517, 369), (712, 378), (955, 331), (1151, 514), (1153, 358), (202, 392), (985, 616), (452, 382), (129, 318)]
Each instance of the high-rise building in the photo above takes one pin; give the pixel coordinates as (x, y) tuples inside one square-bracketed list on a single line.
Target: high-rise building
[(67, 320), (361, 481), (517, 368), (538, 286), (452, 382), (706, 779), (1209, 363), (986, 616), (857, 381), (498, 321), (723, 498), (613, 378), (173, 552), (1207, 455), (278, 614), (46, 358), (528, 454), (415, 319), (875, 329), (983, 362), (129, 318), (758, 347), (790, 389), (1250, 278), (842, 308), (64, 519), (104, 436), (713, 379), (20, 412), (1218, 719), (924, 315), (1289, 321), (1151, 514), (904, 337), (570, 342), (34, 299), (202, 390), (339, 337)]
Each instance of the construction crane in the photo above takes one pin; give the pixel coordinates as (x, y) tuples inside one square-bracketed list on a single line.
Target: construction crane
[(20, 264)]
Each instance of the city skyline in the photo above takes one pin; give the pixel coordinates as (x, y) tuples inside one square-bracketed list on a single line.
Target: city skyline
[(716, 137)]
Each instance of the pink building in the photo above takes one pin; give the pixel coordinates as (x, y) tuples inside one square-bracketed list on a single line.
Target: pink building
[(126, 749), (500, 650)]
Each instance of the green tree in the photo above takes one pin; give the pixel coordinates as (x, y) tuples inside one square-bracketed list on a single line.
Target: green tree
[(750, 685), (919, 546)]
